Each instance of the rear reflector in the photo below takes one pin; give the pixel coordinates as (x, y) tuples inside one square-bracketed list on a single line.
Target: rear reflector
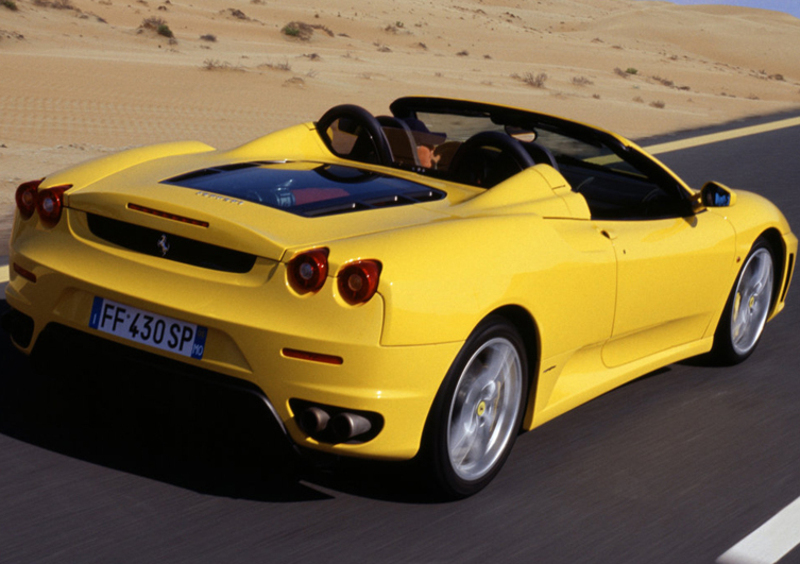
[(314, 357), (26, 274)]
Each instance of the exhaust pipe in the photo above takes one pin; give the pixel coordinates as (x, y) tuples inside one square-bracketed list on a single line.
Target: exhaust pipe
[(346, 426), (313, 420)]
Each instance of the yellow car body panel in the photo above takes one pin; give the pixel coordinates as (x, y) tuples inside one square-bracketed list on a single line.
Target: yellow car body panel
[(599, 299)]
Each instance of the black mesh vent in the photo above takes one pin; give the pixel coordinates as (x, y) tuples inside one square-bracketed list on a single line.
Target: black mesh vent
[(173, 247)]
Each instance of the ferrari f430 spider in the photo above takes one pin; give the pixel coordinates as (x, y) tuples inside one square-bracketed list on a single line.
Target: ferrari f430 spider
[(425, 284)]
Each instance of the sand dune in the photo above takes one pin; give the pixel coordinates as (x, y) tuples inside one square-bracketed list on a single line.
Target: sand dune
[(81, 78)]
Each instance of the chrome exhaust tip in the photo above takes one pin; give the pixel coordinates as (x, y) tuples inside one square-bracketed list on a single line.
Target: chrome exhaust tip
[(313, 420), (346, 426)]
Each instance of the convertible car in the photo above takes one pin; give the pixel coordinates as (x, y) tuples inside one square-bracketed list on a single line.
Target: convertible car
[(421, 285)]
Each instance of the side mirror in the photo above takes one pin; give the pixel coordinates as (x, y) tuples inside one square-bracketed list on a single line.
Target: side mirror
[(716, 195)]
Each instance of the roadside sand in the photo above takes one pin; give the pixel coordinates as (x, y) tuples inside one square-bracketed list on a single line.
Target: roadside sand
[(81, 78)]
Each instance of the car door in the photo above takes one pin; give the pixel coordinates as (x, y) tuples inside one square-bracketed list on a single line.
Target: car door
[(669, 258), (668, 281)]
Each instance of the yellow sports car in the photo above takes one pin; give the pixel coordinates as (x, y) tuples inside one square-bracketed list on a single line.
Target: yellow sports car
[(422, 284)]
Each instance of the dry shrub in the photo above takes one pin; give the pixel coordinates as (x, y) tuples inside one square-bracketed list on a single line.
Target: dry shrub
[(284, 66), (534, 80), (581, 81), (295, 81), (216, 65), (238, 14), (57, 4), (664, 81), (304, 31)]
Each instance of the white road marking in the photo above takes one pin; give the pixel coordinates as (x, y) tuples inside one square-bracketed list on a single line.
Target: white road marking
[(721, 136), (770, 542)]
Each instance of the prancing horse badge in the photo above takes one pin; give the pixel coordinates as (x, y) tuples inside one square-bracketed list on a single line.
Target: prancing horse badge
[(163, 245)]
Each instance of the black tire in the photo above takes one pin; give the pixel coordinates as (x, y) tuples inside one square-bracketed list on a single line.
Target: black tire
[(478, 410), (739, 330)]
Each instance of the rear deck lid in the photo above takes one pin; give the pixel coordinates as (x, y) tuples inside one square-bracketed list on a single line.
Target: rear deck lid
[(258, 208)]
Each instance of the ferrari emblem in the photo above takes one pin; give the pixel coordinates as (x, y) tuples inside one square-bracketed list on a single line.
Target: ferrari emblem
[(163, 246)]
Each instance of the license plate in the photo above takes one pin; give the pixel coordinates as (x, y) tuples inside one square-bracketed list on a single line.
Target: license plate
[(148, 328)]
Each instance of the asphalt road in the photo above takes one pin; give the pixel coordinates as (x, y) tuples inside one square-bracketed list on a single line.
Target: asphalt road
[(112, 463)]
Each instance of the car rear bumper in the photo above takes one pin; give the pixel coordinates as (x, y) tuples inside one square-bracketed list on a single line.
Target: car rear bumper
[(252, 321)]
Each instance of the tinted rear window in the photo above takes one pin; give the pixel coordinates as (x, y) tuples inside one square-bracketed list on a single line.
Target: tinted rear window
[(308, 190)]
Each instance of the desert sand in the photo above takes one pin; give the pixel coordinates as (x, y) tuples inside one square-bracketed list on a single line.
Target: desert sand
[(82, 78)]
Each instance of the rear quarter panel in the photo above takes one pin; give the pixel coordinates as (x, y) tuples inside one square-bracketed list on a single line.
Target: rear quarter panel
[(440, 280)]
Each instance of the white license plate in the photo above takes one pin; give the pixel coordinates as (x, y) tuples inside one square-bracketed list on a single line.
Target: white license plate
[(148, 328)]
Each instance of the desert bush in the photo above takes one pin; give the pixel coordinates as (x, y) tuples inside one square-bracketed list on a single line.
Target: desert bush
[(664, 81), (11, 5), (209, 37), (236, 13), (159, 26), (284, 66), (299, 30), (660, 104), (215, 64), (631, 70), (534, 80), (581, 81), (152, 23), (295, 81), (304, 31)]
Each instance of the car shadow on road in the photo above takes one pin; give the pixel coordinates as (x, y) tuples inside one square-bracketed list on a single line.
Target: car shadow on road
[(193, 434)]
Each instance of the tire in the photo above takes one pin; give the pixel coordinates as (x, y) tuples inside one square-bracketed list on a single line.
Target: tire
[(478, 410), (740, 328)]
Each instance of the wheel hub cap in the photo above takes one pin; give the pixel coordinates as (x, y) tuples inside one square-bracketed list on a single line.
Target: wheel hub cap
[(484, 409), (752, 300)]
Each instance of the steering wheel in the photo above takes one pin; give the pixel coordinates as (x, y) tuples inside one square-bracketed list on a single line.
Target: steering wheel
[(371, 146), (470, 164)]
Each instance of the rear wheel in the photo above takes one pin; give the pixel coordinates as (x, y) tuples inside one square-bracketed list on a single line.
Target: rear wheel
[(748, 306), (478, 410)]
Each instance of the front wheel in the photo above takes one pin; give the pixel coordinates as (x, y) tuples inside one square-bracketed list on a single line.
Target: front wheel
[(748, 306), (478, 411)]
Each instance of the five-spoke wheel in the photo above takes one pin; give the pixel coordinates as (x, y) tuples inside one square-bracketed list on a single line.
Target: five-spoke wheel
[(748, 306), (479, 408)]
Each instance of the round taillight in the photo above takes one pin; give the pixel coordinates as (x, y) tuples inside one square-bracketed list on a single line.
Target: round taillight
[(358, 281), (49, 205), (308, 271), (27, 196)]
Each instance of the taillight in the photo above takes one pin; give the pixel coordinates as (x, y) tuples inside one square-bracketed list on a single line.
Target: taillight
[(27, 196), (307, 271), (49, 204), (358, 281)]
